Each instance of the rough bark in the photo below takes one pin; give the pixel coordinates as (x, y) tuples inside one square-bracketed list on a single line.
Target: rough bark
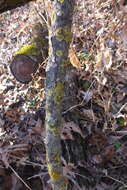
[(6, 5), (59, 41)]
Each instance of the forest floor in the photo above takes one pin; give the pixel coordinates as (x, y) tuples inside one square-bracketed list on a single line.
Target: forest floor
[(99, 56)]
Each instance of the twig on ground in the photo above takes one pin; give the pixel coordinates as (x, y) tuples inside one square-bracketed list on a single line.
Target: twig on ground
[(19, 178)]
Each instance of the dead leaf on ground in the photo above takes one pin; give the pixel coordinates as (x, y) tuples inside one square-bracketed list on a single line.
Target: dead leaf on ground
[(13, 115), (39, 128), (103, 60), (90, 114), (74, 59), (69, 128)]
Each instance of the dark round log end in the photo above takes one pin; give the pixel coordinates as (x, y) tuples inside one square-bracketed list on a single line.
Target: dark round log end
[(23, 67)]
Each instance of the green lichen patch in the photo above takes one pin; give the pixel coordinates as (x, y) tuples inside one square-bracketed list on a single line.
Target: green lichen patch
[(57, 158), (59, 34), (59, 53), (54, 129), (59, 90), (61, 1), (55, 176), (63, 34), (68, 35)]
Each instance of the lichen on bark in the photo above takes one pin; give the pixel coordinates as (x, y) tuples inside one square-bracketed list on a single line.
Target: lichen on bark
[(59, 41)]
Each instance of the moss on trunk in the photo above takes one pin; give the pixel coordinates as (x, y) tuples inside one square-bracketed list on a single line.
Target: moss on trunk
[(37, 49)]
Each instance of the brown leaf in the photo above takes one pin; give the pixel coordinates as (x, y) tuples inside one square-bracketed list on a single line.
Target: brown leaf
[(69, 128), (1, 70), (13, 115), (103, 60), (108, 153), (74, 59), (39, 129), (90, 114)]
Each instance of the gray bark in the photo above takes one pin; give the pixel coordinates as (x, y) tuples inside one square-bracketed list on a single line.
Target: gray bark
[(59, 41)]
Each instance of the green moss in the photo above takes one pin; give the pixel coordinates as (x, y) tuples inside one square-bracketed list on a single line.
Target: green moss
[(29, 49), (59, 53), (86, 84), (117, 145), (121, 121), (59, 92)]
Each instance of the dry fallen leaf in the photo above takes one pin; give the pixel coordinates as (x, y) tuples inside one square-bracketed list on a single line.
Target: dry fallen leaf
[(103, 60), (1, 70), (74, 59), (107, 59), (69, 128), (90, 114)]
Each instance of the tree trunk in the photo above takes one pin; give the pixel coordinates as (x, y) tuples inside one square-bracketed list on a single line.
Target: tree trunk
[(59, 41)]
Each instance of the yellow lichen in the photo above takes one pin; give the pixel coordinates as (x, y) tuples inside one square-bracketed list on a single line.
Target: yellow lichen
[(59, 92), (55, 176), (63, 34), (61, 1), (59, 34), (57, 158), (30, 49), (67, 35), (54, 130), (60, 37), (50, 92), (59, 53)]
